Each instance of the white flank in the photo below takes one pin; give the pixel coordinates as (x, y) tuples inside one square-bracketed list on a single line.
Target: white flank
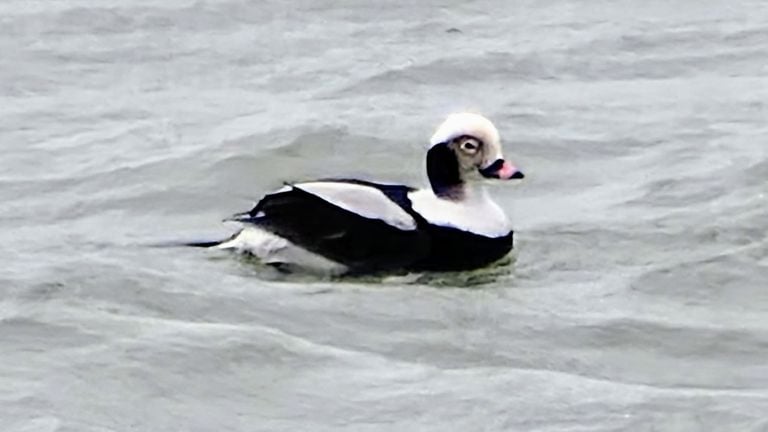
[(476, 213), (363, 200), (273, 249)]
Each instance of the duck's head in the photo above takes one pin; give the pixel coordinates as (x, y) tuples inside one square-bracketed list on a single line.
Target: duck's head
[(466, 147)]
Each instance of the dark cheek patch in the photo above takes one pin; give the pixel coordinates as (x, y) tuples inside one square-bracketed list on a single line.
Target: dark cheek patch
[(443, 168)]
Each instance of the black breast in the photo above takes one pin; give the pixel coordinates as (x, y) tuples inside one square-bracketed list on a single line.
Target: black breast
[(454, 249)]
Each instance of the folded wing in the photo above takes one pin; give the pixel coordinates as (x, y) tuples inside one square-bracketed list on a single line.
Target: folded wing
[(362, 225)]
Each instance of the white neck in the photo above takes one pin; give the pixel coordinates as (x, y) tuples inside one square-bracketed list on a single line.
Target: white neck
[(472, 211)]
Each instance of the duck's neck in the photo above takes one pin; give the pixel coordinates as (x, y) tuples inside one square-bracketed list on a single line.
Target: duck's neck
[(453, 192), (466, 192)]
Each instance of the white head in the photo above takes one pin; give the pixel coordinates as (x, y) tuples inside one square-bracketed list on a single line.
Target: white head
[(464, 148)]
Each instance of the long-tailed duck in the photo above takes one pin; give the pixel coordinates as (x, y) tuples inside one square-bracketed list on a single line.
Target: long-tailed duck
[(347, 225)]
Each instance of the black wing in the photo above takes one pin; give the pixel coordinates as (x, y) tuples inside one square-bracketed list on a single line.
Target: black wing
[(358, 242)]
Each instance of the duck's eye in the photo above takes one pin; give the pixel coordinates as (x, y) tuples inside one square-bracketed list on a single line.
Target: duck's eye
[(469, 146)]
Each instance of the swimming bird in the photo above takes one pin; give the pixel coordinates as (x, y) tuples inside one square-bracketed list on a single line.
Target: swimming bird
[(343, 225)]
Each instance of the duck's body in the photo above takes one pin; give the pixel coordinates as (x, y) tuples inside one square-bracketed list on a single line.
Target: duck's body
[(346, 225), (352, 225)]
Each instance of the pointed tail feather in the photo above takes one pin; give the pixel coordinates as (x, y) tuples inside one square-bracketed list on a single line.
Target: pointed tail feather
[(245, 217), (205, 243), (194, 243)]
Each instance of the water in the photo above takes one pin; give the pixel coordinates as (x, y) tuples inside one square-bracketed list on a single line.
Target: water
[(637, 298)]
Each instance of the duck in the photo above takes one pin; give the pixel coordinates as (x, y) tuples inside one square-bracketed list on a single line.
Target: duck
[(353, 226)]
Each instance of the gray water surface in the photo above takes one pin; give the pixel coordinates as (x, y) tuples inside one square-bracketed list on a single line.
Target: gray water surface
[(637, 297)]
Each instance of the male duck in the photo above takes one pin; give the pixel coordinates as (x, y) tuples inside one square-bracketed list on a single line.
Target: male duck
[(346, 225)]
